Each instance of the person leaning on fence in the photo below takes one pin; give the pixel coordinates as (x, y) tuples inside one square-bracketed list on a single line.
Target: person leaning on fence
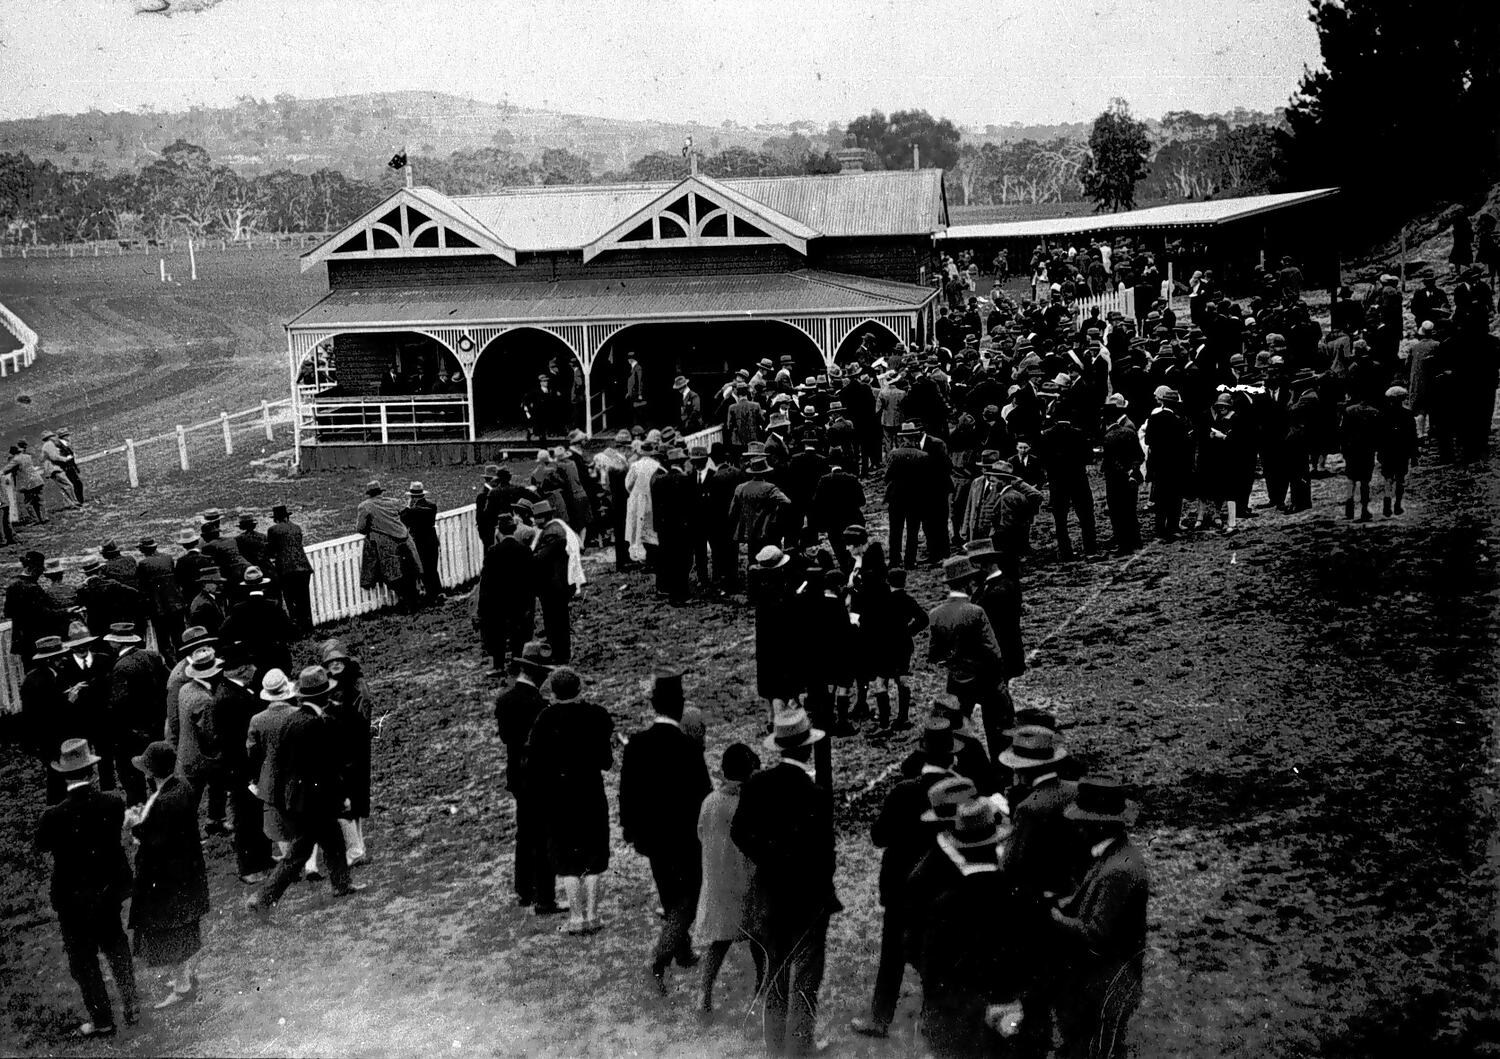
[(28, 484), (420, 516), (389, 558), (286, 559)]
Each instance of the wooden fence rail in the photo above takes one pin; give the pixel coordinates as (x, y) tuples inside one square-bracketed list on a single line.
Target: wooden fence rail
[(267, 415), (16, 359), (336, 591), (125, 248)]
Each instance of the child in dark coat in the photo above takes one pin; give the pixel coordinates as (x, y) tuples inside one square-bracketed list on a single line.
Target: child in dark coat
[(1397, 448)]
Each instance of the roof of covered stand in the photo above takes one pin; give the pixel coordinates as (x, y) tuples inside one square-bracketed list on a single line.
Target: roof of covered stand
[(806, 291), (1180, 215)]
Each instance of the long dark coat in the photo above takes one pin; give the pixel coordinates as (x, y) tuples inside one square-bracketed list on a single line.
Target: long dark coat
[(566, 756), (171, 882), (778, 674), (348, 722)]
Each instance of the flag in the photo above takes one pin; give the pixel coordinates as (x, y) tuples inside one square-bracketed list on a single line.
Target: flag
[(398, 160)]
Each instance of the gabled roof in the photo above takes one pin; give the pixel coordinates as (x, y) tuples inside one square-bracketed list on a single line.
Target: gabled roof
[(412, 212), (1180, 215), (567, 217)]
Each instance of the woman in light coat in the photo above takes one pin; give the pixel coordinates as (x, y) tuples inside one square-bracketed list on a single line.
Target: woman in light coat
[(723, 911), (640, 519)]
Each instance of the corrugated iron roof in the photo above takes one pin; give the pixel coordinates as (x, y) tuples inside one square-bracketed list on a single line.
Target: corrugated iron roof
[(887, 202), (1180, 215), (603, 300)]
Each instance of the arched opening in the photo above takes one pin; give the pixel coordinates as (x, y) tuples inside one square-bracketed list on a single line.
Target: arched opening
[(706, 354), (510, 398), (384, 386), (867, 342)]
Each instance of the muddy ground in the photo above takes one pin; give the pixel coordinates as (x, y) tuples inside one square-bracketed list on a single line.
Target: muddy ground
[(1306, 715)]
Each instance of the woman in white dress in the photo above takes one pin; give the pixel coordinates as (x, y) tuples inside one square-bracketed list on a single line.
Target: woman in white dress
[(640, 522)]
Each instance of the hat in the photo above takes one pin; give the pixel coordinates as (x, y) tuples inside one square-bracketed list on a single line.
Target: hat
[(122, 632), (335, 650), (755, 448), (537, 654), (1034, 717), (980, 551), (1102, 800), (491, 470), (279, 511), (792, 729), (1427, 328), (75, 756), (577, 437), (907, 429), (680, 383), (757, 465), (64, 432), (276, 686), (48, 647), (1397, 391), (946, 795), (937, 736), (676, 455), (247, 522), (698, 454), (1032, 745), (33, 558), (666, 688), (46, 434), (109, 549), (622, 437), (146, 544), (541, 509), (1224, 400), (254, 576), (957, 569), (1386, 277), (52, 566), (211, 667), (187, 538), (158, 760), (92, 564), (855, 534), (314, 683), (975, 825), (1116, 400), (194, 637), (373, 487), (771, 558), (78, 635), (567, 685), (210, 575), (1171, 395)]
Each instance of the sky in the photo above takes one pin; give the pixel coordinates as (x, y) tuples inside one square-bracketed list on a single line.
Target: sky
[(751, 61)]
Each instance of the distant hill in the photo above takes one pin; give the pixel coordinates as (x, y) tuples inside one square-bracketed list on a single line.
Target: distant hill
[(358, 133)]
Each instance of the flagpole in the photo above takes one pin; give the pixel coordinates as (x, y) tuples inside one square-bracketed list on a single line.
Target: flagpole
[(405, 151)]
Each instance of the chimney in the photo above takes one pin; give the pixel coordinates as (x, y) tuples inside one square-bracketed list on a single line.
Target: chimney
[(916, 157), (851, 159)]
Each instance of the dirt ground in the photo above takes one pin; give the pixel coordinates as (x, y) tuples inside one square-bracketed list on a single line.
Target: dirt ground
[(1306, 714)]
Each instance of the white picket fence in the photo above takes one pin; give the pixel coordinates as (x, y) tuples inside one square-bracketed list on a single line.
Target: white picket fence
[(268, 414), (1114, 301), (24, 357)]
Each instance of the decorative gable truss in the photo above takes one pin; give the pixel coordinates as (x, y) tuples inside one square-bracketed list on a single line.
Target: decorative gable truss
[(411, 223), (699, 211)]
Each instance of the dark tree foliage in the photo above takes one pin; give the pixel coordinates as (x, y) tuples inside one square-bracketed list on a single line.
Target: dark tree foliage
[(889, 140), (1119, 147), (1406, 109)]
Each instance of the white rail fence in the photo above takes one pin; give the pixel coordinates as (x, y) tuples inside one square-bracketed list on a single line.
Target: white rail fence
[(336, 591), (1114, 301), (126, 247), (264, 417), (24, 357)]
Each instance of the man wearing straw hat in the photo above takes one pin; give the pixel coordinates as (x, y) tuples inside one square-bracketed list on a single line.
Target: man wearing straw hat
[(90, 881), (784, 825)]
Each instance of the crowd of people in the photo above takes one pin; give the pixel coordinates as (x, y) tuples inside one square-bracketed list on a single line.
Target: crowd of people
[(1008, 879)]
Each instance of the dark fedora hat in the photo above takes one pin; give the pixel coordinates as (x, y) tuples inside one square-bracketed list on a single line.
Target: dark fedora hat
[(1030, 715), (158, 760), (937, 736), (958, 569), (314, 683), (1101, 799), (792, 729), (194, 637), (1032, 746), (666, 688), (536, 655), (109, 549), (541, 509), (946, 795)]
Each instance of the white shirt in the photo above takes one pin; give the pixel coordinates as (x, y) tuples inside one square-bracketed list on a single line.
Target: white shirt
[(659, 719), (1098, 849), (806, 767)]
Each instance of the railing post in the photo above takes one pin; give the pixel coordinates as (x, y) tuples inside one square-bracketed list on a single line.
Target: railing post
[(130, 468), (265, 416), (182, 460), (228, 440), (385, 427)]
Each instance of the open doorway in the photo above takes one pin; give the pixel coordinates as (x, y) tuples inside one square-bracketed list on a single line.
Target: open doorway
[(527, 383)]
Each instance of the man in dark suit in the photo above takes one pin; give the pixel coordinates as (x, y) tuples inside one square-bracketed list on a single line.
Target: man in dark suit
[(233, 705), (516, 710), (135, 702), (420, 515), (715, 501), (901, 832), (701, 518), (32, 612), (1065, 450), (90, 881), (105, 600), (207, 608), (286, 560), (1123, 457), (550, 570), (224, 551), (906, 491), (84, 675), (161, 598), (1046, 851), (251, 542), (938, 473), (784, 825), (672, 497), (306, 792), (507, 598), (1102, 927), (259, 624), (663, 782), (51, 712), (963, 641), (190, 565), (484, 513)]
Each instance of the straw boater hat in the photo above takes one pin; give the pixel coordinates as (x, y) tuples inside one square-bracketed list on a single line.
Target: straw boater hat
[(975, 826), (78, 635), (622, 437), (1032, 746), (202, 670), (945, 796), (416, 489), (75, 756), (254, 577), (48, 647), (765, 364), (957, 569), (1101, 800), (187, 538), (122, 632), (792, 729), (276, 687), (771, 557), (536, 656), (109, 549)]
